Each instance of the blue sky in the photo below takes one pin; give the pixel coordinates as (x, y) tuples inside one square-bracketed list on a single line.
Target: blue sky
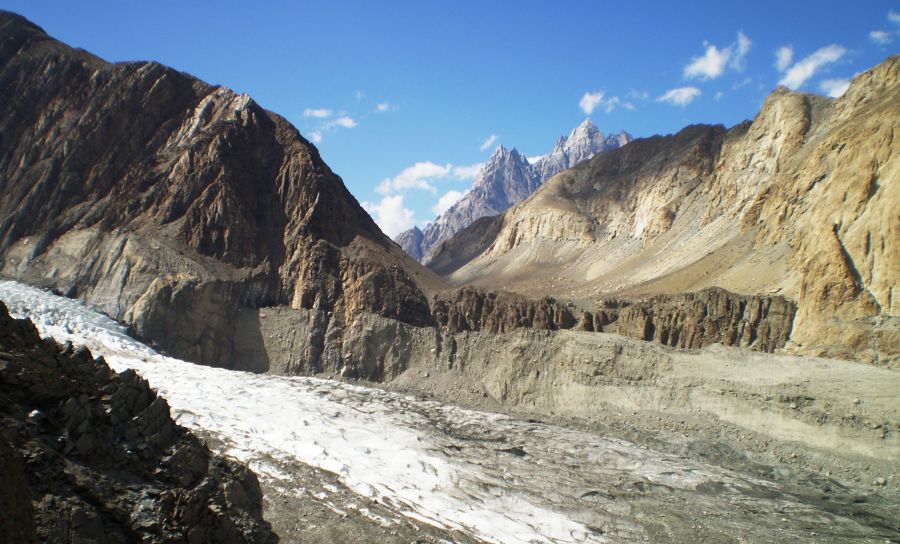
[(402, 97)]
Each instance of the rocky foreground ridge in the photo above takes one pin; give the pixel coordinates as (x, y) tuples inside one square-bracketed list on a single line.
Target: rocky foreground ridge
[(801, 202), (88, 455)]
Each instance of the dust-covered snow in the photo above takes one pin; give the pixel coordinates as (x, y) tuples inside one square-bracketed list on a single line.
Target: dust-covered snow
[(494, 477)]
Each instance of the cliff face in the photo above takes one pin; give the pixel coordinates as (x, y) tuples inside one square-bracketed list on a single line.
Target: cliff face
[(94, 456), (686, 321), (170, 204), (801, 203)]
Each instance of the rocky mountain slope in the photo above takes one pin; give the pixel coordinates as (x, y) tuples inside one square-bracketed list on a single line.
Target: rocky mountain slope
[(171, 204), (94, 456), (801, 202), (507, 179)]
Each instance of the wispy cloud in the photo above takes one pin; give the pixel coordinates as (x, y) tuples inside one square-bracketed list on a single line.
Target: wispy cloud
[(834, 88), (488, 142), (718, 96), (894, 17), (447, 200), (315, 136), (417, 176), (743, 47), (318, 113), (783, 57), (590, 101), (881, 37), (714, 60), (801, 71), (708, 66), (467, 172), (343, 121), (384, 107), (680, 96), (391, 214)]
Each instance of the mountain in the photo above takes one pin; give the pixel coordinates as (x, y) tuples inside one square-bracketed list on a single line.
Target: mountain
[(506, 179), (583, 142), (176, 206), (801, 202)]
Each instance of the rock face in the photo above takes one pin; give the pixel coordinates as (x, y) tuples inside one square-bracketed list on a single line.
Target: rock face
[(687, 321), (171, 204), (469, 309), (801, 202), (507, 179), (411, 242), (94, 456), (695, 320)]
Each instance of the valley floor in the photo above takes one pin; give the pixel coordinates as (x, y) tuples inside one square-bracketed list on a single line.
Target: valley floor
[(341, 462)]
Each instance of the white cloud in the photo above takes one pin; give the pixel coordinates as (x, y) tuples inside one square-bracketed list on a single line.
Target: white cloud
[(612, 103), (681, 96), (384, 107), (894, 17), (390, 214), (783, 57), (718, 96), (713, 62), (488, 142), (316, 136), (804, 69), (709, 66), (360, 95), (638, 95), (318, 113), (536, 158), (344, 121), (417, 176), (447, 199), (743, 47), (834, 88), (589, 101), (467, 172), (880, 37)]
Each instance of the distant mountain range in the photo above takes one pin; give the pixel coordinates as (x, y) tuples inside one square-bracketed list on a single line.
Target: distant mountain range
[(507, 179)]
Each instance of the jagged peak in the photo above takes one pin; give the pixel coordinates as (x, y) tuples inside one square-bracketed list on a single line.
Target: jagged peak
[(502, 152)]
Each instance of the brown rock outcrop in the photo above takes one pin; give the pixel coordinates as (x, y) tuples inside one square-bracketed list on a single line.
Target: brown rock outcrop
[(470, 309), (695, 320), (94, 456), (687, 320)]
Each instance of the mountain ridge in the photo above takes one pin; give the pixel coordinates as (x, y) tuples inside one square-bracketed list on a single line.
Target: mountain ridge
[(163, 200), (755, 209), (506, 179)]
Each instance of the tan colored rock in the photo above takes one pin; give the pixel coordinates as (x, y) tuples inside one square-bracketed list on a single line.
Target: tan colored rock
[(801, 202)]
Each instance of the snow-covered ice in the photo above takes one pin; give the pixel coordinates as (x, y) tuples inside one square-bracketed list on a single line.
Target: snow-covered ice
[(497, 478)]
